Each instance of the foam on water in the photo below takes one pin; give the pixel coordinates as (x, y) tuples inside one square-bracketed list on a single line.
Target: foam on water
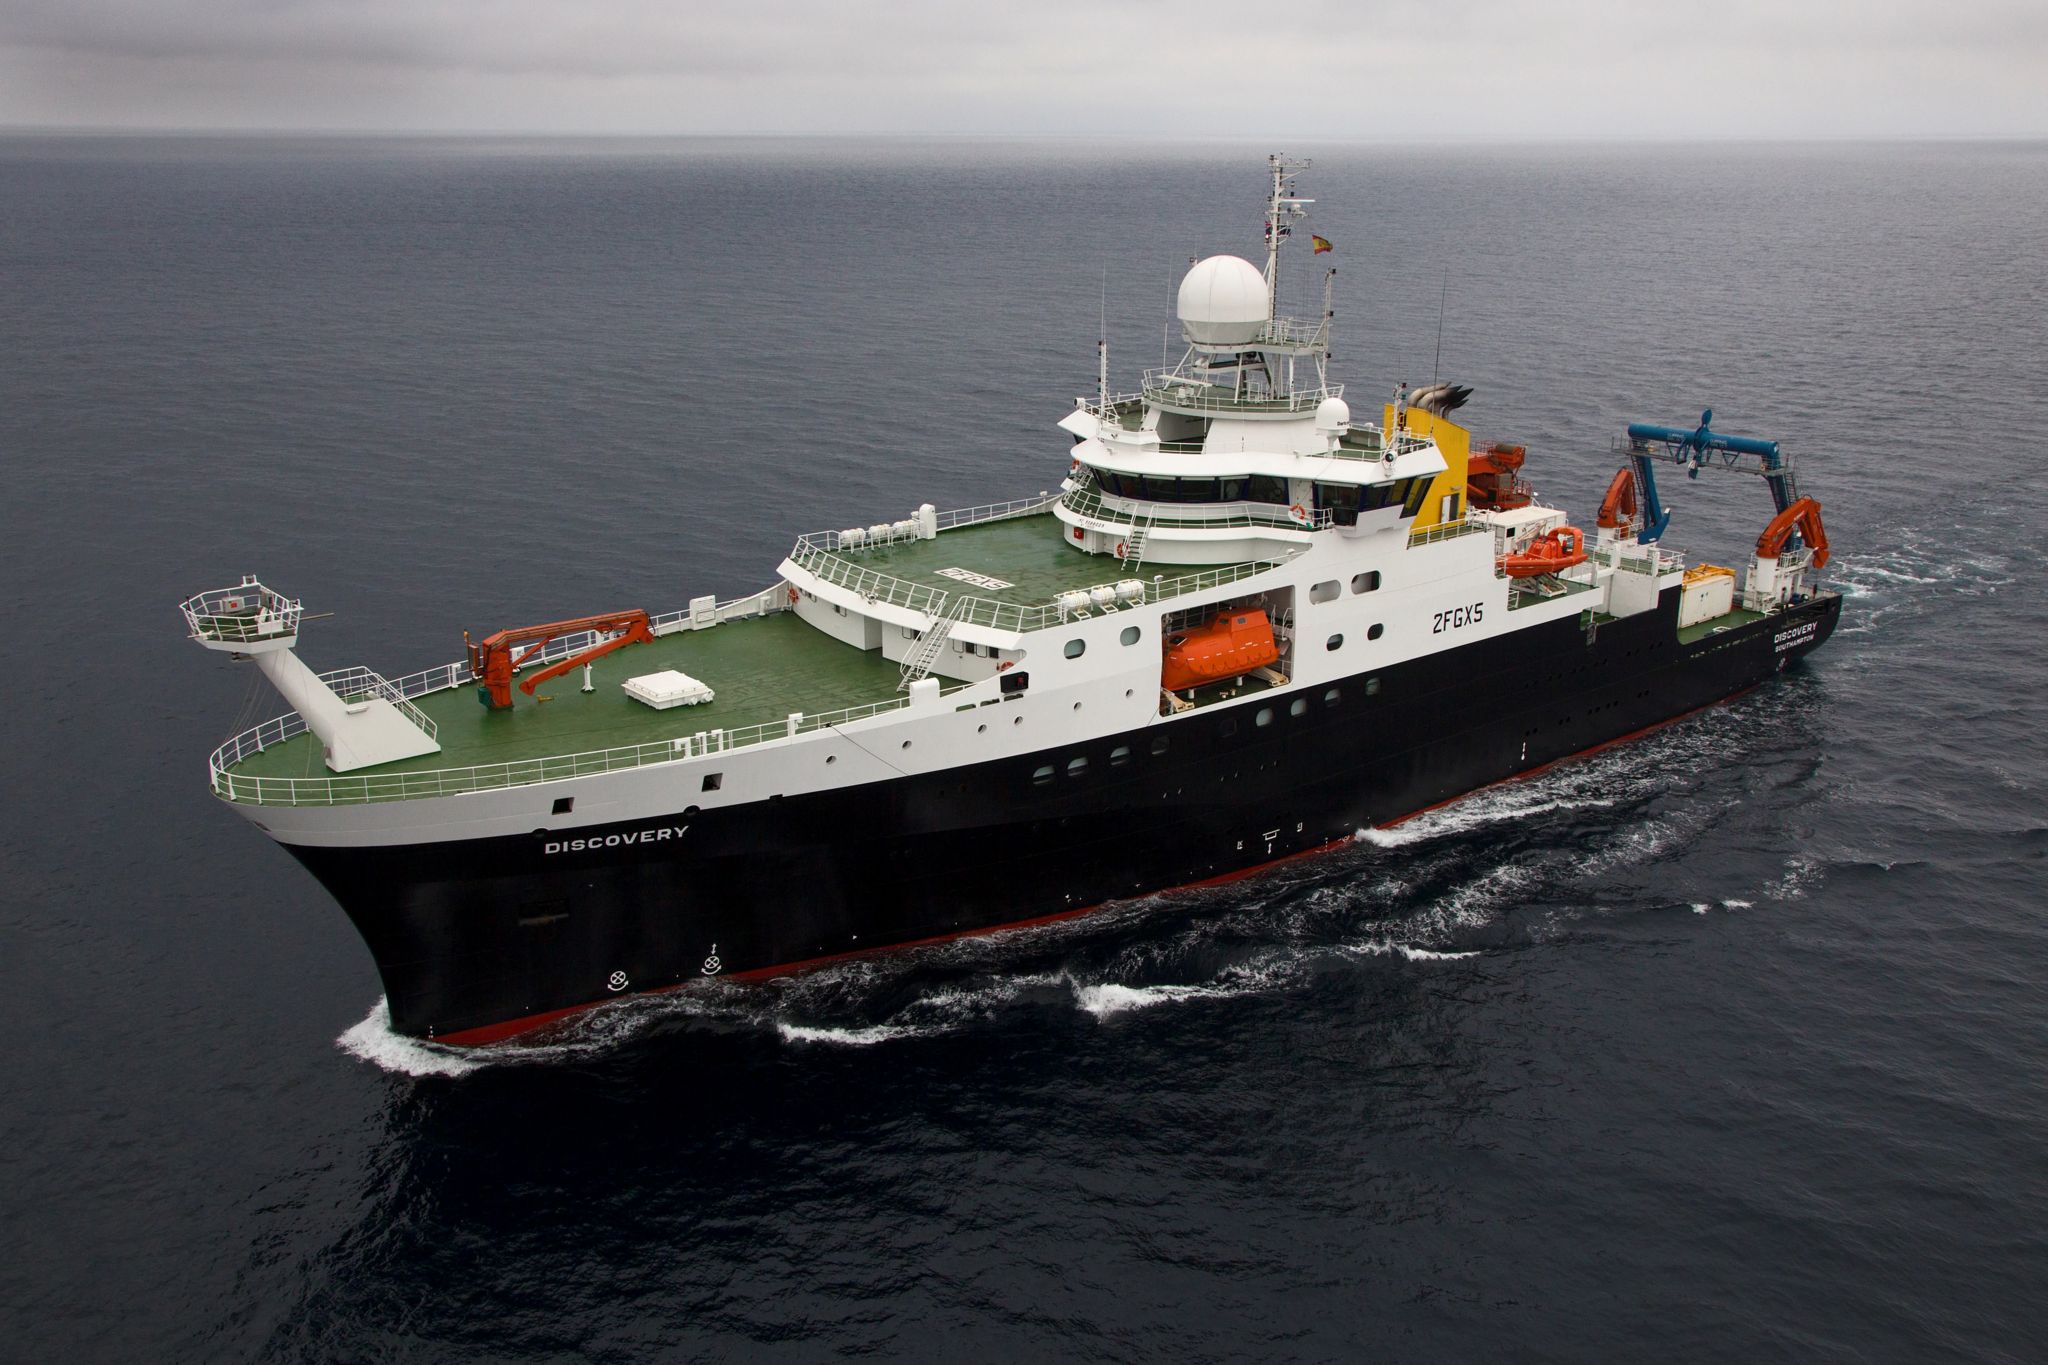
[(372, 1040)]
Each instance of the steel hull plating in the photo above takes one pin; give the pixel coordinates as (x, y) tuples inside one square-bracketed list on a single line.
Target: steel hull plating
[(479, 939)]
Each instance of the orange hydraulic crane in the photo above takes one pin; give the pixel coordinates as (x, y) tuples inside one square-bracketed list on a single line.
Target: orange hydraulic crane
[(494, 660)]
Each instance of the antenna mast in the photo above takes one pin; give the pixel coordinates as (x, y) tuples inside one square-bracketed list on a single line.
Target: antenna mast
[(1282, 205)]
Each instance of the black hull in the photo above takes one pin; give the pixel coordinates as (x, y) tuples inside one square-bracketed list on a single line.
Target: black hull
[(478, 939)]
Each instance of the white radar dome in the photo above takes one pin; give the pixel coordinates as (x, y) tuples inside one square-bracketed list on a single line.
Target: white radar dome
[(1223, 302), (1333, 416)]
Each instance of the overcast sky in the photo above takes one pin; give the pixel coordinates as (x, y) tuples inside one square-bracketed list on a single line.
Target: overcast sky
[(1370, 69)]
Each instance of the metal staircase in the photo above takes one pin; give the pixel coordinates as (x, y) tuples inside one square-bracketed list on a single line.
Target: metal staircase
[(1134, 544), (925, 652)]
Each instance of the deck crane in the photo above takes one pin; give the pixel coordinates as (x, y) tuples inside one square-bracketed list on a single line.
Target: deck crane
[(494, 659), (1796, 527)]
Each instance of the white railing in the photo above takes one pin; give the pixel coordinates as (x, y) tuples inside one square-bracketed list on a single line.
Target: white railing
[(358, 683), (981, 611), (1449, 530), (373, 787), (1087, 501), (815, 554), (245, 614), (1181, 390), (997, 511)]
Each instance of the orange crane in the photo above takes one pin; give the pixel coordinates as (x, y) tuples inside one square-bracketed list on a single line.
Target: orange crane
[(494, 660)]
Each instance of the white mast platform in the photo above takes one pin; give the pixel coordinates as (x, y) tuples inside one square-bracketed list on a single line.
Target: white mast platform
[(366, 723)]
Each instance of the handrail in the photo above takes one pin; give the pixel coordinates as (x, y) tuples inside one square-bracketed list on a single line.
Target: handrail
[(343, 790), (351, 684), (1180, 390), (1087, 501), (1449, 530)]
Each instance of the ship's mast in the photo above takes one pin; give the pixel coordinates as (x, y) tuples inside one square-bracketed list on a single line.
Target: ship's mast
[(1282, 202)]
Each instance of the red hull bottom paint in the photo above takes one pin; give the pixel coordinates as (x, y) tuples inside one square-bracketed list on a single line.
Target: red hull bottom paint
[(512, 1028)]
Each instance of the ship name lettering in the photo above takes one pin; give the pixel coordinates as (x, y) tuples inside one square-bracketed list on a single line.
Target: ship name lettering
[(1787, 639), (596, 841), (1457, 616)]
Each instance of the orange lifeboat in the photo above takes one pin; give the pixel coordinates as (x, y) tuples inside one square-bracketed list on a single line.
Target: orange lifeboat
[(1233, 644), (1559, 549)]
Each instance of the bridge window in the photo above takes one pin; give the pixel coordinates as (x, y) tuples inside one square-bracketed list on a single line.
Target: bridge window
[(1341, 499)]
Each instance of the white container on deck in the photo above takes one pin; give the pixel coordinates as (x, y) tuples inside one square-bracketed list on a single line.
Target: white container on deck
[(1709, 592), (667, 688)]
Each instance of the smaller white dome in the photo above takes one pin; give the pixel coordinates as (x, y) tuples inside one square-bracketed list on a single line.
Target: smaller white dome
[(1333, 417), (1223, 302)]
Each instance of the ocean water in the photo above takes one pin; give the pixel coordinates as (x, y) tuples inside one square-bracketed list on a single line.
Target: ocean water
[(1728, 1044)]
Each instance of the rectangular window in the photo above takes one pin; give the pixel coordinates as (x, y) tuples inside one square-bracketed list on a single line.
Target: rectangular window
[(1233, 488), (1369, 581), (1418, 489), (1324, 592), (713, 781), (1266, 488)]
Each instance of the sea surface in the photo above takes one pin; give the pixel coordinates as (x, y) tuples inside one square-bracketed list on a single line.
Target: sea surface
[(1730, 1044)]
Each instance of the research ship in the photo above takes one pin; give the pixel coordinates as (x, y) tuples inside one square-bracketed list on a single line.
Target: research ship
[(1246, 624)]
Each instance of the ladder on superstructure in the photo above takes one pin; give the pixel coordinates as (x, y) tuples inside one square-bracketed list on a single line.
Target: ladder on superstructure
[(918, 662), (1134, 544)]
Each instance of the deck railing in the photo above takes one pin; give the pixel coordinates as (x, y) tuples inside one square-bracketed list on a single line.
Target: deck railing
[(1449, 530), (344, 790), (358, 683), (1178, 390), (1087, 501)]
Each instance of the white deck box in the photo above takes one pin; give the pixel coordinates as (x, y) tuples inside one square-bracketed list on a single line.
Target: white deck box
[(667, 688)]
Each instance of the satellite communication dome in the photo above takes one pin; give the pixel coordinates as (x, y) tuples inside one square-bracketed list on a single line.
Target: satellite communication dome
[(1223, 302), (1333, 417)]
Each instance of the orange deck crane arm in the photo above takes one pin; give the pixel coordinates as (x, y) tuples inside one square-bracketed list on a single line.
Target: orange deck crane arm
[(493, 659), (1804, 515), (1620, 503)]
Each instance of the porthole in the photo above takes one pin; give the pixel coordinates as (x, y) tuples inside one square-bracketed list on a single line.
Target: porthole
[(1335, 642), (1372, 687), (1159, 744), (981, 729), (1332, 697), (1076, 648), (1131, 635), (1376, 631), (831, 758), (1120, 755), (1043, 775), (1077, 706), (1016, 720), (1368, 581), (906, 744), (1077, 765), (1298, 707), (1324, 592), (1264, 717)]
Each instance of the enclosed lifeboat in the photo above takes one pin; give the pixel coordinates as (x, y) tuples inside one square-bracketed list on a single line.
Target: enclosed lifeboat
[(1548, 553), (1230, 646)]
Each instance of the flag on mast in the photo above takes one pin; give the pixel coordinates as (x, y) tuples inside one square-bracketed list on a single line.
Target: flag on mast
[(1322, 244)]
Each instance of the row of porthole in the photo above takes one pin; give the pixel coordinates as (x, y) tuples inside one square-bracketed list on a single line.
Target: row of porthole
[(1336, 642), (1328, 591), (1264, 716), (1130, 636)]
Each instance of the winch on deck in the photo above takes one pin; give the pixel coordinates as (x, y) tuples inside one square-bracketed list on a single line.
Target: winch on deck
[(498, 656)]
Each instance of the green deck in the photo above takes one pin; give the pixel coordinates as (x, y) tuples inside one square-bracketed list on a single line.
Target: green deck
[(1740, 616), (1026, 552), (762, 668)]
